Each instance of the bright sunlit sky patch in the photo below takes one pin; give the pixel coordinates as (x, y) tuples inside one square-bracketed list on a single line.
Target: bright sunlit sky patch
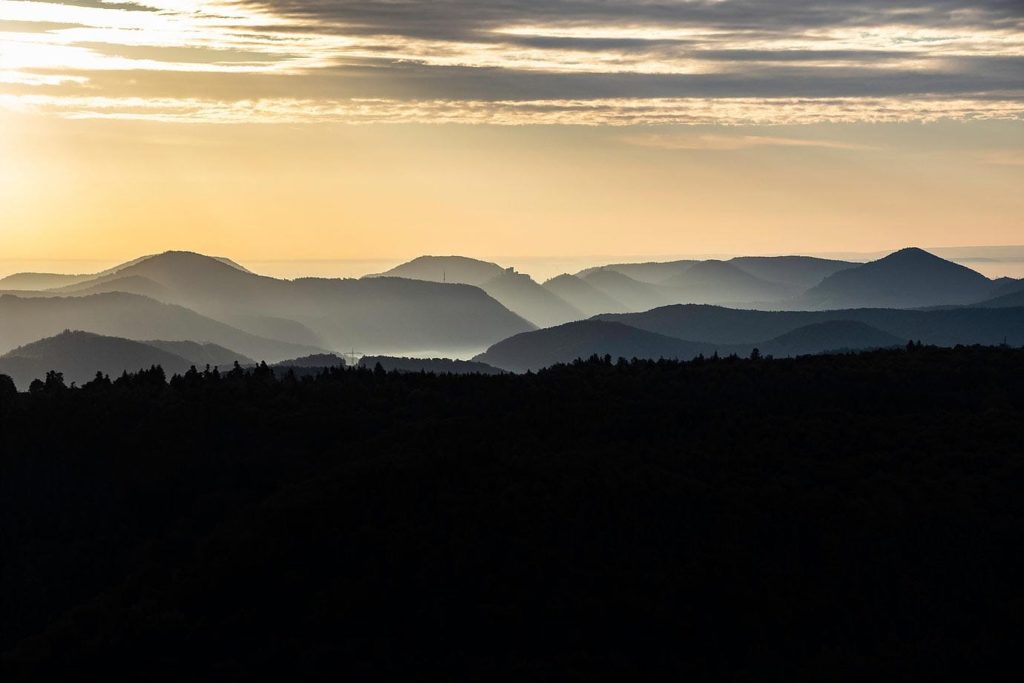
[(161, 123)]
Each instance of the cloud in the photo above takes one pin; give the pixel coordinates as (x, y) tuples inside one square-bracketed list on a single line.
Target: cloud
[(732, 142), (470, 51), (589, 112)]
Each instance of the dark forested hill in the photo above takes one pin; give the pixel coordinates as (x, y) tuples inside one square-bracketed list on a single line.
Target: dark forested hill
[(945, 327), (435, 365), (832, 335), (78, 356), (840, 518), (565, 343), (598, 337)]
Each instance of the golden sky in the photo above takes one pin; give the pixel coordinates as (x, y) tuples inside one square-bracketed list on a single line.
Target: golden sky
[(305, 129)]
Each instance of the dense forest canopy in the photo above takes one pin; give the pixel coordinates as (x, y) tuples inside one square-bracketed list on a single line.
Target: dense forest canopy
[(829, 517)]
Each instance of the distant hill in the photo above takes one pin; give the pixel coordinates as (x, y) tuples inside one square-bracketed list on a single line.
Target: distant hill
[(39, 281), (437, 366), (652, 272), (802, 272), (271, 327), (716, 324), (543, 348), (944, 327), (397, 315), (80, 355), (566, 343), (456, 269), (202, 355), (524, 297), (49, 281), (908, 278), (129, 316), (132, 284), (635, 295), (833, 335), (1005, 301), (378, 313), (515, 291), (583, 296), (316, 360), (712, 281)]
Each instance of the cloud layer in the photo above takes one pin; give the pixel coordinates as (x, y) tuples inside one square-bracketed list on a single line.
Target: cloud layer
[(516, 61)]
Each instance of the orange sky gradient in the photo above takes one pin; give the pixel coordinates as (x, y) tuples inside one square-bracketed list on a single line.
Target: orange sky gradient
[(275, 131)]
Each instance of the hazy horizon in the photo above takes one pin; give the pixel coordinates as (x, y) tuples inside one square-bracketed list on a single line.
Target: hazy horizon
[(992, 261), (290, 129)]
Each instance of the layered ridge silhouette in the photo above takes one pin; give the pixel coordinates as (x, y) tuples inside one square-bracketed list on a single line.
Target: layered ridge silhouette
[(459, 308)]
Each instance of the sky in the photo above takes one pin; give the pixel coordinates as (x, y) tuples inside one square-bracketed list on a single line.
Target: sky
[(364, 131)]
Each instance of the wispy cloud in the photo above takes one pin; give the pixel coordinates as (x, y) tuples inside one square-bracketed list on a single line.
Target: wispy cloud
[(473, 54), (590, 112), (732, 142)]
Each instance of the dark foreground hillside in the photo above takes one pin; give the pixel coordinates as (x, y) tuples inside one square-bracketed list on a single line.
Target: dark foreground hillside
[(827, 518)]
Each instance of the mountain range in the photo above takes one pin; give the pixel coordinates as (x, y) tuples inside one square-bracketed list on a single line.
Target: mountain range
[(209, 310)]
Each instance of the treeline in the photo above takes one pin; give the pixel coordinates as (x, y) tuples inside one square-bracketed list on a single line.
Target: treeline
[(830, 517)]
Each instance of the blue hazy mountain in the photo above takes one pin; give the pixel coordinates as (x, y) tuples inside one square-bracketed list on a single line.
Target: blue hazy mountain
[(909, 278)]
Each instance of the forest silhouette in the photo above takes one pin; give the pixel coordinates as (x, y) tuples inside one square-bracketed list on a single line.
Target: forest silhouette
[(827, 517)]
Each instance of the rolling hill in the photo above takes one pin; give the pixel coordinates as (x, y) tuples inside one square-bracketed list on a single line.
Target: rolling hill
[(1013, 300), (565, 343), (943, 327), (202, 355), (583, 296), (909, 278), (80, 355), (635, 295), (524, 297), (456, 269), (437, 366), (832, 335), (129, 316), (651, 272), (708, 282), (379, 314), (802, 272), (515, 291)]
